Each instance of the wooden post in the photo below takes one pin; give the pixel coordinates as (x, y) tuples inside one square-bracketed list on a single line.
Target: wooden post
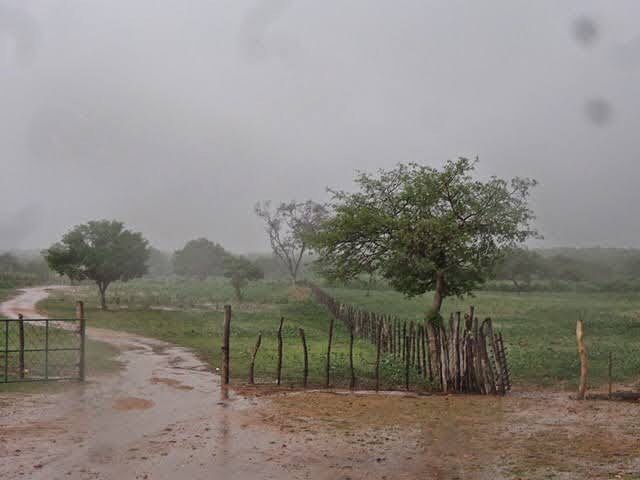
[(406, 362), (352, 383), (328, 368), (279, 370), (306, 358), (225, 344), (582, 351), (378, 360), (82, 330), (21, 352), (610, 376), (253, 358)]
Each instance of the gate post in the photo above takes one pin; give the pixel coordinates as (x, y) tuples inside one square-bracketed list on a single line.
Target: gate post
[(225, 344), (21, 339), (82, 331)]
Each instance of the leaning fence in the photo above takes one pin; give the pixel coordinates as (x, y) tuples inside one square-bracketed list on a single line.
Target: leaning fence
[(461, 355)]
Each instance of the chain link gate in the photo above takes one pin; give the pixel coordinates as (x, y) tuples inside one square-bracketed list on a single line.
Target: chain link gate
[(37, 349)]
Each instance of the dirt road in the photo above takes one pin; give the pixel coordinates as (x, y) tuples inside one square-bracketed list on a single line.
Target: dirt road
[(165, 416)]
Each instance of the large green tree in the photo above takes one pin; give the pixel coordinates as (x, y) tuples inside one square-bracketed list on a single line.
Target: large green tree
[(425, 229), (200, 258), (102, 251)]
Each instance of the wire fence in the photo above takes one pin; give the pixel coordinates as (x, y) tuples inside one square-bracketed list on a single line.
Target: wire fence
[(41, 349)]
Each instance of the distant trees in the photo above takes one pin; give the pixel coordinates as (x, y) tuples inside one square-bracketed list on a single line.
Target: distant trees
[(240, 270), (289, 226), (159, 263), (9, 262), (102, 251), (425, 229), (200, 258), (520, 265)]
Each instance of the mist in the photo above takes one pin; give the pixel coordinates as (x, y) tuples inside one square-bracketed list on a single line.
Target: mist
[(176, 117)]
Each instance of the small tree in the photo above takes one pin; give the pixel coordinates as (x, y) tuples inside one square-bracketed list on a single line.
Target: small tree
[(200, 258), (288, 228), (102, 251), (425, 229), (241, 271)]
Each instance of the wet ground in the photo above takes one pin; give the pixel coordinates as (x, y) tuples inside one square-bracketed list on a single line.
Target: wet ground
[(165, 416)]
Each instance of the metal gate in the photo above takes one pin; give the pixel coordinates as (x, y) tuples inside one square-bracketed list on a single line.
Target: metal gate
[(35, 349)]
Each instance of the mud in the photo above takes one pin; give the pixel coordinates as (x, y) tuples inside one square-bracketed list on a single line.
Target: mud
[(177, 422)]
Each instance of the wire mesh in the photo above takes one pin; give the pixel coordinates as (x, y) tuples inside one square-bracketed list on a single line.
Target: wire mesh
[(39, 349)]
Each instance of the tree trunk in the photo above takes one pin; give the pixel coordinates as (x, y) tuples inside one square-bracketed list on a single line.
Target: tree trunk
[(102, 288), (438, 295)]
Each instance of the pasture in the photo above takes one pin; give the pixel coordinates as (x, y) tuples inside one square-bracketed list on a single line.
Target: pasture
[(539, 328)]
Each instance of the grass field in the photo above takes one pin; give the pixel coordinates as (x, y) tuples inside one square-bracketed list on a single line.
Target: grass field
[(539, 328), (196, 321)]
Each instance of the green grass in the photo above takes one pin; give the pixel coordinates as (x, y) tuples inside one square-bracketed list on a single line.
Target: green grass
[(198, 325), (539, 328)]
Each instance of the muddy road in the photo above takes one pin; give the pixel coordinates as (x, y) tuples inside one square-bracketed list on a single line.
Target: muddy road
[(165, 416)]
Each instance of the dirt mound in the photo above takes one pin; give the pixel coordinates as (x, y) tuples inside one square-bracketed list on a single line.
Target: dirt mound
[(132, 403), (298, 293)]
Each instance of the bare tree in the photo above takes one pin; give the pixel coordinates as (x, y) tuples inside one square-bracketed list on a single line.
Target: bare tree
[(288, 227)]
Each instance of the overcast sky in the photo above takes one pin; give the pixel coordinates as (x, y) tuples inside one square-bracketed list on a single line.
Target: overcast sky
[(177, 116)]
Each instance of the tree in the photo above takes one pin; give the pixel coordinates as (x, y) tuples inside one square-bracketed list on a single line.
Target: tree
[(424, 229), (200, 258), (241, 270), (520, 265), (288, 228), (102, 251)]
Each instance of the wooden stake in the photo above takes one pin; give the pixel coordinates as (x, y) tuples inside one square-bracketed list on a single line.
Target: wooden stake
[(328, 368), (225, 344), (406, 362), (253, 358), (378, 361), (582, 352), (83, 337), (610, 376), (21, 352), (352, 384), (306, 358), (279, 370)]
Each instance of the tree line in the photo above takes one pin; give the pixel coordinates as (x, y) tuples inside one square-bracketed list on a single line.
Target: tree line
[(420, 228)]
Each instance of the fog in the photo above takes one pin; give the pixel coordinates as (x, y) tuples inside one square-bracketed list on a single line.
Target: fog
[(177, 116)]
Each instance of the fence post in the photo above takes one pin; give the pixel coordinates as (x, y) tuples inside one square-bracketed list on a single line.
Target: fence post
[(279, 371), (328, 367), (21, 352), (582, 351), (352, 383), (6, 351), (306, 358), (225, 344), (610, 376), (378, 360), (253, 358), (82, 331), (406, 362)]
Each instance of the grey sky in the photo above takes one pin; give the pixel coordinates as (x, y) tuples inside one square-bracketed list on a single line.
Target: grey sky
[(177, 116)]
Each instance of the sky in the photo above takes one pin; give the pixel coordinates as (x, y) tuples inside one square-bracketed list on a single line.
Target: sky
[(177, 116)]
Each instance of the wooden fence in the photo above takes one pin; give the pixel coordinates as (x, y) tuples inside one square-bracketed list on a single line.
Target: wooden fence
[(461, 355)]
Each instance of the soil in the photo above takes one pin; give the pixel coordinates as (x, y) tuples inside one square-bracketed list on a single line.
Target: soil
[(166, 416)]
